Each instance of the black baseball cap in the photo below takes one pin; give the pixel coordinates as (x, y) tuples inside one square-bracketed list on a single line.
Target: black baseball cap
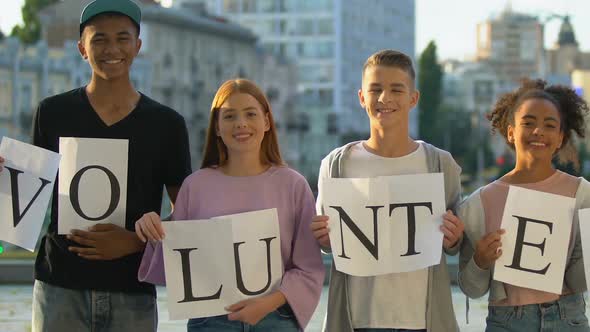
[(97, 7)]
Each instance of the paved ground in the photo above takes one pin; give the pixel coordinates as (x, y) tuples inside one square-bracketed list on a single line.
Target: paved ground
[(15, 311)]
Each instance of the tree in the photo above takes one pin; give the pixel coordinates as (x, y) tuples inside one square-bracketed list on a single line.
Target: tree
[(430, 86), (1, 35), (30, 31), (453, 126)]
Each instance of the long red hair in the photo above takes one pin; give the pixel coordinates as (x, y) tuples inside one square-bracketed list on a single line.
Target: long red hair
[(215, 153)]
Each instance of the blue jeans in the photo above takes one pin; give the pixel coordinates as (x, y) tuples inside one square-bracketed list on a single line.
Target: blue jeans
[(281, 319), (62, 309), (564, 315)]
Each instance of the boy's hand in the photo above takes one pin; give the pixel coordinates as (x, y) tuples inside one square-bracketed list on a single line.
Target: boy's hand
[(149, 227), (1, 163), (251, 311), (320, 230), (104, 242), (488, 249), (452, 228)]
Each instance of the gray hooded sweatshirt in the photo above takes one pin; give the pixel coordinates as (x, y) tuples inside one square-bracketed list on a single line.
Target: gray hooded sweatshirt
[(440, 316)]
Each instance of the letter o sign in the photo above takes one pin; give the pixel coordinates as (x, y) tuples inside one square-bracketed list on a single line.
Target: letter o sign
[(115, 192)]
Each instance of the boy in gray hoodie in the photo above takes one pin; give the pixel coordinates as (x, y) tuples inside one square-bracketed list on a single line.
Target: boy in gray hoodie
[(413, 301)]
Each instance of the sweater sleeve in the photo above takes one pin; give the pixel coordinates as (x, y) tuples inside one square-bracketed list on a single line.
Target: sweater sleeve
[(304, 274), (323, 174), (473, 280), (452, 174), (575, 277), (151, 268)]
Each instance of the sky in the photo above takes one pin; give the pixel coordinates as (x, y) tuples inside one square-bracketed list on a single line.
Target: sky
[(452, 23)]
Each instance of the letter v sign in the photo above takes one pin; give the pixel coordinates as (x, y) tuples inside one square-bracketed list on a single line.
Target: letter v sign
[(16, 214)]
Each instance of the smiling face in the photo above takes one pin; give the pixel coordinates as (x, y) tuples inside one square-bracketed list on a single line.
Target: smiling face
[(536, 133), (387, 95), (110, 43), (241, 124)]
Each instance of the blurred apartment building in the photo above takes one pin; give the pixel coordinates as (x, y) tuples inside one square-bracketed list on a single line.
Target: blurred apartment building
[(511, 44), (328, 41), (510, 47), (185, 56), (29, 73)]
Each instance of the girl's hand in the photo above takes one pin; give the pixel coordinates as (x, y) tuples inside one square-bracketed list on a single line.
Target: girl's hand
[(251, 311), (488, 249), (149, 227)]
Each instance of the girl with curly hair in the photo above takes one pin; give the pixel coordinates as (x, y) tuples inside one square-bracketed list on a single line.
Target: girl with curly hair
[(537, 120)]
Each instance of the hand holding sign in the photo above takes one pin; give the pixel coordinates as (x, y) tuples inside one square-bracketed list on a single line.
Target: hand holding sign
[(452, 229), (25, 190), (320, 229), (104, 242), (387, 224), (149, 227), (223, 261), (251, 311), (488, 249), (535, 245)]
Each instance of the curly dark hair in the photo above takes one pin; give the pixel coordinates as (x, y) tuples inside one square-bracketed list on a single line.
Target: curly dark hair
[(572, 108)]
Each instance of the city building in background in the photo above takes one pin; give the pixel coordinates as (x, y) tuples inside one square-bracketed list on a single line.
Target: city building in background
[(306, 55), (581, 83), (29, 74), (512, 44), (510, 47), (565, 56), (473, 88), (190, 53), (329, 41)]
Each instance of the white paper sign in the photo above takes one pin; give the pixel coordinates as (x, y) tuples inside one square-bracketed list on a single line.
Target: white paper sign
[(92, 182), (28, 176), (385, 224), (211, 264), (534, 247), (204, 243), (584, 218)]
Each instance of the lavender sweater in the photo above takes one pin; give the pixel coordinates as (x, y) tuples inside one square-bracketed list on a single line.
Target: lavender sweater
[(209, 193)]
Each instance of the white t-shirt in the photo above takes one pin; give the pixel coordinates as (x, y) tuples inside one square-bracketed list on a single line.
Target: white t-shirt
[(396, 300)]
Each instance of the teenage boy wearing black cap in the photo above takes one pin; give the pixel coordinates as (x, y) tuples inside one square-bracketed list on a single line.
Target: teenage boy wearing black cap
[(87, 280)]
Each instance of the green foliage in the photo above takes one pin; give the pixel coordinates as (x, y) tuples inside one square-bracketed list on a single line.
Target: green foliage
[(430, 86), (454, 129), (30, 31), (469, 164)]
